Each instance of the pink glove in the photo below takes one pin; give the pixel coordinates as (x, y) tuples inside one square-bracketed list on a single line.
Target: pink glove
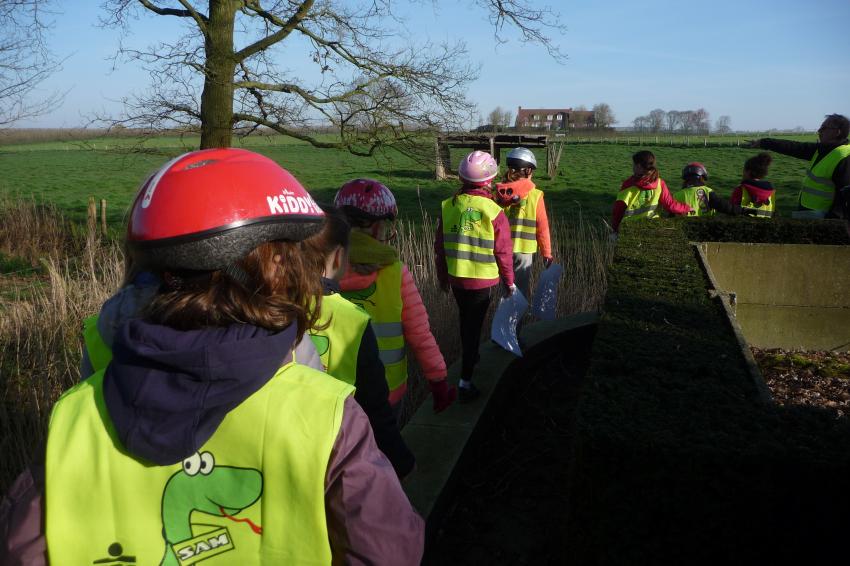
[(443, 394)]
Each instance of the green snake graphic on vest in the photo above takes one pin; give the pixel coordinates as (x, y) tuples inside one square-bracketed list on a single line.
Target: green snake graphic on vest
[(468, 219), (360, 296), (203, 487)]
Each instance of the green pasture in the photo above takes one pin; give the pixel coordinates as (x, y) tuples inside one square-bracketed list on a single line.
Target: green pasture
[(67, 173)]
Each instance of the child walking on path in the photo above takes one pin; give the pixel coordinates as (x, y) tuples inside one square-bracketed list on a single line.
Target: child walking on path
[(523, 204), (641, 194), (473, 251), (346, 342), (754, 195), (378, 282), (205, 411)]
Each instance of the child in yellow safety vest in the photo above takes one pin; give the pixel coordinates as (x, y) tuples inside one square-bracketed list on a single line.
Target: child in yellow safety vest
[(205, 438), (641, 194), (346, 342), (382, 285), (523, 204), (754, 195), (473, 253), (699, 196)]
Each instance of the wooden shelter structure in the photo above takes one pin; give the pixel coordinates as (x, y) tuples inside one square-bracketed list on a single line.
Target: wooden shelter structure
[(493, 144)]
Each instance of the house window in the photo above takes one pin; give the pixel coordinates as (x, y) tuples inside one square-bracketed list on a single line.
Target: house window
[(548, 116), (536, 116), (559, 117), (535, 125)]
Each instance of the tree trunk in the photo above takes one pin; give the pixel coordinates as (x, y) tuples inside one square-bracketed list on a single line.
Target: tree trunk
[(217, 98)]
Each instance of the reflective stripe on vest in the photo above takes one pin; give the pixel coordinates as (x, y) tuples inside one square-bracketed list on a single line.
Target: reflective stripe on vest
[(254, 493), (697, 198), (641, 203), (523, 220), (99, 353), (338, 344), (752, 209), (818, 189), (468, 236), (382, 302)]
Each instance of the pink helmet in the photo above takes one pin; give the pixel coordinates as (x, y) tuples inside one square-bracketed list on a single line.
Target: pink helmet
[(478, 167), (366, 198)]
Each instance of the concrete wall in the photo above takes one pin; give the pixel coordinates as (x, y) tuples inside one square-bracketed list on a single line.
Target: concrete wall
[(790, 296)]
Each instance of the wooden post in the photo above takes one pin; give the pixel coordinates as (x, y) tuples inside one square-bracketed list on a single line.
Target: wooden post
[(493, 147), (442, 157), (103, 216), (92, 218)]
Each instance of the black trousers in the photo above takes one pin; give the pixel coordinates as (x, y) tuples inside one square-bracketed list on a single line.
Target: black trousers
[(472, 305)]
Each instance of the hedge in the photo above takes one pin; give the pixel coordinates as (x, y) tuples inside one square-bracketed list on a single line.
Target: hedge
[(675, 461)]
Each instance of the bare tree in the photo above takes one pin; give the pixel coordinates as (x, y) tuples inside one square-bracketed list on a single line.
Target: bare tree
[(723, 125), (656, 120), (603, 115), (507, 116), (641, 123), (673, 120), (369, 84), (25, 61)]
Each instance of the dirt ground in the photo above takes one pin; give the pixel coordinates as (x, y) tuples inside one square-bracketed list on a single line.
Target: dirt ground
[(820, 379), (510, 501)]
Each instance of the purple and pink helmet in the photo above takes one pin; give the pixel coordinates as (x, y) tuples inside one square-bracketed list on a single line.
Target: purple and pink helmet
[(366, 198), (478, 167)]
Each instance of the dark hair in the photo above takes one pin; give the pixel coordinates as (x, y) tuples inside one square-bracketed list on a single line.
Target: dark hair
[(280, 285), (335, 232), (841, 122), (646, 160), (758, 164), (512, 174)]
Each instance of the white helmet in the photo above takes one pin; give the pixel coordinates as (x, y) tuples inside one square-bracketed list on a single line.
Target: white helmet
[(521, 158)]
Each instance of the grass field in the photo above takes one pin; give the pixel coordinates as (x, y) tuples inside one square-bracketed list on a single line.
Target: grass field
[(67, 173)]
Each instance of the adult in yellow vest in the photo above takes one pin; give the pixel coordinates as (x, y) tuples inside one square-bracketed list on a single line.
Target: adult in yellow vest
[(523, 204), (204, 439), (701, 198), (473, 252), (346, 342), (829, 166), (381, 285)]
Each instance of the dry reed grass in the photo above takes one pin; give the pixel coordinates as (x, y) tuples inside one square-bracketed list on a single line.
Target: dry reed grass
[(40, 331)]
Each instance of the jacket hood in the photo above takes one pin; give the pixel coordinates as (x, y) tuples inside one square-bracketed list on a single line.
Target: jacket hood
[(641, 183), (167, 390), (521, 187)]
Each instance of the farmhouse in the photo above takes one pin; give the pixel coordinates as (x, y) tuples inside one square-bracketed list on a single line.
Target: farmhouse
[(553, 118)]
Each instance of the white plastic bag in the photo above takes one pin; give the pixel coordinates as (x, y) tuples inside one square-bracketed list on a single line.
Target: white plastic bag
[(508, 314), (545, 300)]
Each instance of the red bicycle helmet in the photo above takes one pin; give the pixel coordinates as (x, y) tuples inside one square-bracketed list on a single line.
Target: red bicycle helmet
[(366, 198), (694, 169), (204, 210)]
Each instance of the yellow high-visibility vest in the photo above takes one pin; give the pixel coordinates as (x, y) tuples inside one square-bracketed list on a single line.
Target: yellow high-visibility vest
[(469, 237), (757, 210), (523, 220), (252, 494), (696, 198), (641, 203), (382, 302), (99, 353), (339, 343), (818, 189)]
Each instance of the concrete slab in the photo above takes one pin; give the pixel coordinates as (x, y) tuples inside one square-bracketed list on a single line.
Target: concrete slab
[(790, 296)]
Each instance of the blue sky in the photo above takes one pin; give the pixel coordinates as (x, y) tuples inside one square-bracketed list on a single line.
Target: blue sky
[(767, 64)]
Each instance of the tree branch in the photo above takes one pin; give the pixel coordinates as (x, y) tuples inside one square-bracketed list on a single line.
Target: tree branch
[(286, 27)]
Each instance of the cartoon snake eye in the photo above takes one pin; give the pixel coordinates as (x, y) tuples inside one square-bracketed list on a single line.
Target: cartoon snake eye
[(192, 464), (207, 463)]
